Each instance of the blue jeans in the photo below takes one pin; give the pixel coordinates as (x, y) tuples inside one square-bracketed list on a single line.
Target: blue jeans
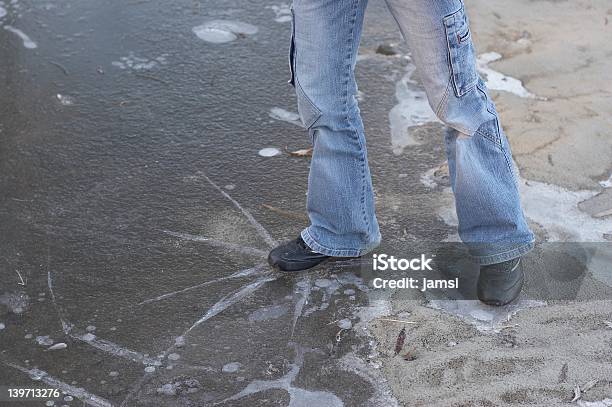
[(325, 40)]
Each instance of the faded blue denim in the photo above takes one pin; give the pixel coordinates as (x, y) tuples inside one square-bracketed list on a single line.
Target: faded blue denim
[(325, 40)]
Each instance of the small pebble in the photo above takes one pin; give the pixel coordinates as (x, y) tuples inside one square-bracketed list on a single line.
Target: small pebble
[(231, 367), (90, 328), (345, 323), (149, 369), (322, 282), (113, 374), (174, 356), (44, 340), (2, 326), (386, 49), (168, 389), (179, 342)]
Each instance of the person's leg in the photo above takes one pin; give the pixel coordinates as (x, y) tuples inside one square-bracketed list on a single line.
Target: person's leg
[(340, 203), (491, 221)]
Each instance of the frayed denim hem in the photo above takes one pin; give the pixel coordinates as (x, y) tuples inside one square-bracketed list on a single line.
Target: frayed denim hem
[(315, 246), (485, 260)]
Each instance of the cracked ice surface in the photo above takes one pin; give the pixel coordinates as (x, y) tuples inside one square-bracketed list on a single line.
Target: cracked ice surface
[(298, 397)]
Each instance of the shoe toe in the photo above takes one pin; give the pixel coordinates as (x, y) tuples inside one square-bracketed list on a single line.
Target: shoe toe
[(500, 288)]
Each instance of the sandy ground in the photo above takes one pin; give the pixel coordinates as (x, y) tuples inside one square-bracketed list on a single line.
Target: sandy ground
[(559, 124)]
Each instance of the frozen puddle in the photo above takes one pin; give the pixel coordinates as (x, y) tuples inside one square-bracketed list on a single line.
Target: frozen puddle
[(298, 397), (602, 403), (220, 31), (17, 303), (556, 209), (138, 63), (497, 80), (412, 110), (553, 207), (267, 313), (27, 41), (282, 11), (484, 317), (13, 7), (283, 115)]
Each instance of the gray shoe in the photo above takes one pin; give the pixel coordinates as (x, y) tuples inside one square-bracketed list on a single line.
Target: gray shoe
[(500, 284)]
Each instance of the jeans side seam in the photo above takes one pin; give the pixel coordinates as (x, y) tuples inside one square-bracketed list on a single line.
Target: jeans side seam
[(362, 159)]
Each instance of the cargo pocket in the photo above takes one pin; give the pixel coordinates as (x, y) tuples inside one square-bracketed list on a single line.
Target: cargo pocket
[(461, 52)]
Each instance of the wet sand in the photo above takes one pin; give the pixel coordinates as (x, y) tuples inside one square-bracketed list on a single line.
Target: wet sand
[(550, 63)]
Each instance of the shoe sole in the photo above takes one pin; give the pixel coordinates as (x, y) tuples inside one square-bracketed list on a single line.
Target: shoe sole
[(313, 268)]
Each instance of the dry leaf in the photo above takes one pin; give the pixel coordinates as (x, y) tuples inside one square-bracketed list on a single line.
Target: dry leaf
[(563, 373), (399, 343), (410, 356), (307, 152)]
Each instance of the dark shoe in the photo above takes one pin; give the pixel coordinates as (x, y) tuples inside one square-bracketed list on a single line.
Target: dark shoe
[(500, 284), (295, 256)]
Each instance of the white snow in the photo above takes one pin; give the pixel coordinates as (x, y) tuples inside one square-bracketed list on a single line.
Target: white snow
[(498, 81), (221, 31), (27, 41), (281, 114), (411, 110), (282, 11), (269, 152)]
